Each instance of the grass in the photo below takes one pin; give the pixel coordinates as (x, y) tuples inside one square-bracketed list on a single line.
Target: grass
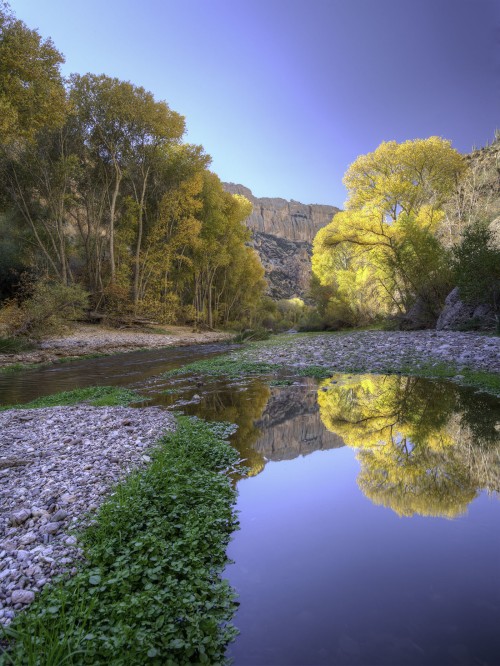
[(150, 588), (97, 396), (18, 367), (224, 366), (317, 371), (14, 345)]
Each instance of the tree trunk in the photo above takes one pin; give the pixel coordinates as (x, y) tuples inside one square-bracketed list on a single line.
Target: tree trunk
[(114, 197)]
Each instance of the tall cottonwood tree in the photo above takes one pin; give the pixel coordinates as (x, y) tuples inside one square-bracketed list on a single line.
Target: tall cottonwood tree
[(103, 193), (393, 214), (32, 93), (122, 126)]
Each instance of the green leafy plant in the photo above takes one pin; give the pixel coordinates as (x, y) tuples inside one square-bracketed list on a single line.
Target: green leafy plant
[(97, 396), (150, 587)]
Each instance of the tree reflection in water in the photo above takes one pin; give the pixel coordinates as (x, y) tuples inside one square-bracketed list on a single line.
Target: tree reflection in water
[(425, 447)]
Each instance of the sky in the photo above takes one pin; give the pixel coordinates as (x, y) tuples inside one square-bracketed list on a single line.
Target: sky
[(285, 94)]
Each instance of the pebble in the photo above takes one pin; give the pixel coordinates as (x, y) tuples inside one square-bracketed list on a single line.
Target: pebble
[(58, 487), (378, 351), (22, 597)]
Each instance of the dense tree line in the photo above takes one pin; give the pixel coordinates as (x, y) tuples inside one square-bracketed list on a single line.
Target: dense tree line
[(99, 190)]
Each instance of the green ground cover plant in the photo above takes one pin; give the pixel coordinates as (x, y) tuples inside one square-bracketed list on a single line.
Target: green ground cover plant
[(97, 396), (223, 366), (149, 590)]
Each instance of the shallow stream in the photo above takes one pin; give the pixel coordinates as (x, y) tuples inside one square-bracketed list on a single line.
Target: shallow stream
[(370, 519)]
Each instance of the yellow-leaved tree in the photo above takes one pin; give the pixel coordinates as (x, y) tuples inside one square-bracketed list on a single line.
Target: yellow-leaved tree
[(382, 254)]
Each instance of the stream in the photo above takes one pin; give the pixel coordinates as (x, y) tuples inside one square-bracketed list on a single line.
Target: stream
[(370, 516)]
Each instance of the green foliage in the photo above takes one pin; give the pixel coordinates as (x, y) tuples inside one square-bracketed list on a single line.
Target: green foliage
[(225, 367), (97, 396), (103, 193), (14, 345), (477, 267), (49, 309), (150, 588), (31, 87), (317, 371)]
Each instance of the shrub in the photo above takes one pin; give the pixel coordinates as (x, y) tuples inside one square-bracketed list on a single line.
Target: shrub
[(49, 309)]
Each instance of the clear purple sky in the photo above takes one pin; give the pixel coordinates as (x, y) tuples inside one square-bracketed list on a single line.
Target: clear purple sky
[(285, 94)]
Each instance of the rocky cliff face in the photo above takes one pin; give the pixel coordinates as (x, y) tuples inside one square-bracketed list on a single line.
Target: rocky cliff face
[(286, 219), (480, 195), (283, 232), (287, 264)]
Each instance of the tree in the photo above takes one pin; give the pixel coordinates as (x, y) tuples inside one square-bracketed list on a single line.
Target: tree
[(39, 181), (388, 231), (477, 267), (122, 127), (32, 94)]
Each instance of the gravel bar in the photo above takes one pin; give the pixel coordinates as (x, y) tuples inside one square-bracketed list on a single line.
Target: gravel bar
[(379, 351), (56, 466)]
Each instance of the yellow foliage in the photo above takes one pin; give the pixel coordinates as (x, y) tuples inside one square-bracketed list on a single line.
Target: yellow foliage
[(384, 241)]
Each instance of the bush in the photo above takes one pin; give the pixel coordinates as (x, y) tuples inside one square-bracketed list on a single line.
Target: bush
[(48, 310)]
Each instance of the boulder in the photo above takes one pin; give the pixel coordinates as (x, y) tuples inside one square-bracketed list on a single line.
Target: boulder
[(457, 315)]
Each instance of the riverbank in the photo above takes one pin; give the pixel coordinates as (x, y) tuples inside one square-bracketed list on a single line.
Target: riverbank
[(149, 586), (94, 340), (379, 351), (57, 464)]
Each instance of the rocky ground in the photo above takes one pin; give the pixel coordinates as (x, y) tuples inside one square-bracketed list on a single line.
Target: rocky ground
[(378, 351), (56, 465), (88, 339)]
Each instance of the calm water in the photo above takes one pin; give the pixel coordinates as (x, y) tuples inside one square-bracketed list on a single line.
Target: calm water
[(370, 522)]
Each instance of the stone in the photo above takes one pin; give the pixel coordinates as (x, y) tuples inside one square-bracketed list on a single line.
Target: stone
[(26, 539), (23, 597), (456, 314), (20, 517), (50, 528), (59, 515)]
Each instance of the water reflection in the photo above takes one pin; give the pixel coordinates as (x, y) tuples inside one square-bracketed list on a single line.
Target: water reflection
[(291, 425), (218, 400), (425, 448)]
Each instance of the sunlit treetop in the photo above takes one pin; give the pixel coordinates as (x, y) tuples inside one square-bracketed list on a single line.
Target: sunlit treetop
[(32, 94), (402, 177)]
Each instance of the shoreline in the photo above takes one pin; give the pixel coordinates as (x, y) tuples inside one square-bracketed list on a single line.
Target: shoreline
[(80, 452), (380, 352), (91, 340)]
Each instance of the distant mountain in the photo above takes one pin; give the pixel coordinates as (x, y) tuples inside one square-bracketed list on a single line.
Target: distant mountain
[(282, 233)]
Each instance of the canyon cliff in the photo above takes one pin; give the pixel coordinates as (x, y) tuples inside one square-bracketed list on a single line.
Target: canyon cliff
[(282, 235)]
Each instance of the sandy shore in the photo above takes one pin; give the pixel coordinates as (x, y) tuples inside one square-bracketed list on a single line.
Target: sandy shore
[(91, 339)]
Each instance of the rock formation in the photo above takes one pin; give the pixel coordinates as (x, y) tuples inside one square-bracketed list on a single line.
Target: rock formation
[(458, 315), (282, 235)]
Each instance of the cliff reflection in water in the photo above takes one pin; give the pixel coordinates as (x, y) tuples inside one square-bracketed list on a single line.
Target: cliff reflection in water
[(425, 448), (290, 425)]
